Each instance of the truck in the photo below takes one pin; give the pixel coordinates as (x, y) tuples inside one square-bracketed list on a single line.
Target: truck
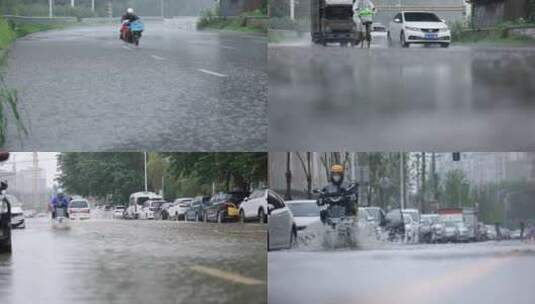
[(332, 22), (466, 220)]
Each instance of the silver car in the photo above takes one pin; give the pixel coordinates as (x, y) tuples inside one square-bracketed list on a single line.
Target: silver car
[(282, 231)]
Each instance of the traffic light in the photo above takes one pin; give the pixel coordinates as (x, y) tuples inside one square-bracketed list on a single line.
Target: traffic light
[(456, 156)]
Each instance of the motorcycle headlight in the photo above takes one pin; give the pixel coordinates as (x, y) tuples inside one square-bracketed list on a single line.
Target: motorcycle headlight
[(410, 28)]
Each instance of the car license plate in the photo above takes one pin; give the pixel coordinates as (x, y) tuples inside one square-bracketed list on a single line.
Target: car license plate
[(431, 36), (233, 211)]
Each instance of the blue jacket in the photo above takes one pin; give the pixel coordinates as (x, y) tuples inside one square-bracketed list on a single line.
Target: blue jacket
[(59, 202)]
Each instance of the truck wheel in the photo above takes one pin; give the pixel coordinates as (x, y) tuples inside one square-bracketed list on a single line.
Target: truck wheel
[(5, 247)]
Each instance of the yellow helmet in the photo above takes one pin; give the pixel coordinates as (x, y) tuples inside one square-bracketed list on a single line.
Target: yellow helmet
[(337, 169)]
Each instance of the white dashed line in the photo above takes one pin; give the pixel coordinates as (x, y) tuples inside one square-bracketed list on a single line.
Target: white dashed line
[(227, 276), (212, 73), (126, 48), (157, 57)]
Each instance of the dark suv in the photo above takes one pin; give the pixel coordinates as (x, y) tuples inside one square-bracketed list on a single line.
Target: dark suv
[(196, 209), (224, 207)]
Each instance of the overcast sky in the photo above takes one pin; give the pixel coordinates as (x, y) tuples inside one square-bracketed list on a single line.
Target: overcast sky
[(47, 161)]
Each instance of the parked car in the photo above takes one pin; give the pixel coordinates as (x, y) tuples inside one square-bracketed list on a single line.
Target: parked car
[(136, 202), (151, 209), (254, 207), (282, 230), (394, 225), (224, 207), (118, 211), (5, 224), (379, 33), (164, 210), (17, 217), (491, 232), (431, 228), (195, 212), (79, 209), (411, 218), (464, 234), (305, 212), (451, 232), (179, 207), (419, 28)]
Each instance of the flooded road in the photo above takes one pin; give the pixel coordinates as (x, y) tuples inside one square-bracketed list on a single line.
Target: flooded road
[(489, 272), (392, 99), (119, 261)]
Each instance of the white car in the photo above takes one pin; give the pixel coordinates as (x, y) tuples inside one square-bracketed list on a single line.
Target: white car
[(79, 209), (150, 209), (419, 28), (136, 202), (379, 34), (118, 211), (282, 231), (255, 206), (305, 212), (179, 208), (17, 218)]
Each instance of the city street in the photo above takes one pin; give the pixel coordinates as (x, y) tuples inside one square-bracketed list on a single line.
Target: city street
[(489, 272), (82, 89), (120, 261), (391, 99)]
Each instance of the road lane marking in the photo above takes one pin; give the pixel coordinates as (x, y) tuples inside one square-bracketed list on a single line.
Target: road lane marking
[(157, 57), (228, 47), (429, 290), (212, 73), (228, 276), (126, 48)]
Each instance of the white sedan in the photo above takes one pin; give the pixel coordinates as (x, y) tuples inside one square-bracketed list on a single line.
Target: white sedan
[(305, 212), (419, 28), (282, 231)]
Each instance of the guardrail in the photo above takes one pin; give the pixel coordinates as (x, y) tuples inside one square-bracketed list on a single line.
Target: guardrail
[(41, 20)]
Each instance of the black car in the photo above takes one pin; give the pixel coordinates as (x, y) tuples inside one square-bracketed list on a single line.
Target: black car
[(5, 222), (224, 207), (196, 209)]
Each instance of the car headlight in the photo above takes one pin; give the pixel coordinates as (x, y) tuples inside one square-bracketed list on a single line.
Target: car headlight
[(444, 30), (410, 28)]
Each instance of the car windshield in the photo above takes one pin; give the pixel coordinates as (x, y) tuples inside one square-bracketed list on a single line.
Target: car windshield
[(421, 17), (78, 204), (304, 209)]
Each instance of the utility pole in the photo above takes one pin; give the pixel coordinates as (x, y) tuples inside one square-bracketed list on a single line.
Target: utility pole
[(72, 3), (162, 8), (50, 8), (402, 180), (35, 177), (145, 163), (423, 207), (292, 9), (93, 5), (433, 175)]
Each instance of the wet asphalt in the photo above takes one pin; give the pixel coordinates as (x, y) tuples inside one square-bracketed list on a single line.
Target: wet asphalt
[(120, 261), (82, 89), (489, 272), (465, 98)]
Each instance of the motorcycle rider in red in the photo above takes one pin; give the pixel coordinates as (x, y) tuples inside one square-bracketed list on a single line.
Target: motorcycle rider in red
[(125, 20)]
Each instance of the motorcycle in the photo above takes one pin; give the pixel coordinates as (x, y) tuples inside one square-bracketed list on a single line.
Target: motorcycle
[(131, 31), (339, 220), (61, 221)]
